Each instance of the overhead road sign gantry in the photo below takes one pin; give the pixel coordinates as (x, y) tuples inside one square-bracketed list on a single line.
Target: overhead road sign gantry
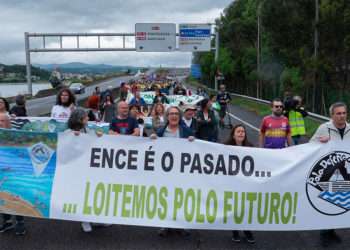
[(195, 37), (160, 38), (155, 37)]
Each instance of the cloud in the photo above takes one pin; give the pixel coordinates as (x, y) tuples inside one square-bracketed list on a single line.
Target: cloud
[(18, 17)]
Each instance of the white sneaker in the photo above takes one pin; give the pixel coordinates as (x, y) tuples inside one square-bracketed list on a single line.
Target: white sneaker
[(86, 226)]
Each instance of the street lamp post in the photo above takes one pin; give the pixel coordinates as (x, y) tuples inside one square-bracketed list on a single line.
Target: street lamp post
[(216, 54), (258, 55), (315, 54)]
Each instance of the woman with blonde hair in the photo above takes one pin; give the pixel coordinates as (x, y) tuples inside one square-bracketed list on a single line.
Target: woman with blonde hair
[(158, 118)]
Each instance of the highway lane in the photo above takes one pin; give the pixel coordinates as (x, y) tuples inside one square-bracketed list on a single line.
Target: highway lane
[(43, 105), (64, 235)]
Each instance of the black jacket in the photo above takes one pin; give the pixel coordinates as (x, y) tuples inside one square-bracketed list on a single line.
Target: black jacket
[(18, 111), (207, 130)]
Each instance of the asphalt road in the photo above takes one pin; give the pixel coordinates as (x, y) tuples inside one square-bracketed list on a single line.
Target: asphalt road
[(43, 105), (63, 235)]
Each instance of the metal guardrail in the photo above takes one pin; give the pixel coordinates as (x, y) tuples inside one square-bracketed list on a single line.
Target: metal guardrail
[(313, 116)]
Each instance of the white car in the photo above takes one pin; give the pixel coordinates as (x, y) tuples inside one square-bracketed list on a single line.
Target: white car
[(77, 88)]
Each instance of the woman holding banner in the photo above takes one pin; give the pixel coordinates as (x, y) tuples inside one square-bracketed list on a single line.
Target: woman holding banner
[(238, 137), (174, 128), (77, 123)]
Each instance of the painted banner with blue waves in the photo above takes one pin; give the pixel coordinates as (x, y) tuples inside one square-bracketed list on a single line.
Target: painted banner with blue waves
[(48, 124), (27, 170)]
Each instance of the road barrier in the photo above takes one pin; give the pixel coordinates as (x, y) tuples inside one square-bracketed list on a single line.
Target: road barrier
[(313, 116)]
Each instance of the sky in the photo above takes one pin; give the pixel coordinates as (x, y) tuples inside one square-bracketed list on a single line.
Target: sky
[(40, 16)]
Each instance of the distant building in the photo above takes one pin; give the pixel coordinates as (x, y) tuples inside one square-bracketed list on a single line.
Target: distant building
[(11, 75), (35, 78)]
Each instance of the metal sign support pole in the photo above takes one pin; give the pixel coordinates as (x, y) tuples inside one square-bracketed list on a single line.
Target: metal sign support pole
[(28, 66), (216, 55)]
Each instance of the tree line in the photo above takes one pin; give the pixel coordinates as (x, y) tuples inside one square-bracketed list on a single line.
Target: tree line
[(20, 70), (303, 48)]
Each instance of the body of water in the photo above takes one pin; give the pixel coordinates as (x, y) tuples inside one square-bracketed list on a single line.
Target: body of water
[(13, 89)]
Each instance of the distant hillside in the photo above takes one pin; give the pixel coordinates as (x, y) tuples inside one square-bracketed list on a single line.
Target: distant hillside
[(20, 71), (83, 68)]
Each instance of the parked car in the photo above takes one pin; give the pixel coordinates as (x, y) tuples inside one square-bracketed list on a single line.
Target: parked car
[(77, 88)]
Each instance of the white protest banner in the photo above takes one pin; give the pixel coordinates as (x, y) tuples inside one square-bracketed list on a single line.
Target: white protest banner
[(148, 96), (180, 184), (175, 100), (187, 100)]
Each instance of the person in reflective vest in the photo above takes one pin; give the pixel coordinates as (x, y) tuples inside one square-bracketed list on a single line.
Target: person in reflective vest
[(296, 114)]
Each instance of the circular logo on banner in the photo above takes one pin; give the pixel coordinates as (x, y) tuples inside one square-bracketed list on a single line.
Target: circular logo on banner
[(328, 184), (40, 153)]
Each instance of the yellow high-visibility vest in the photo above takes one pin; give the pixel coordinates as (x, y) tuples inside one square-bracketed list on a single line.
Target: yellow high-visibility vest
[(297, 123)]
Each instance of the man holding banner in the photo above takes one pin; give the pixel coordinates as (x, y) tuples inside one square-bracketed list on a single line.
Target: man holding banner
[(336, 129), (124, 124)]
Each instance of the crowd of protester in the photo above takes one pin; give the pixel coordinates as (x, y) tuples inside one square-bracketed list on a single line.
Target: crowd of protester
[(284, 127)]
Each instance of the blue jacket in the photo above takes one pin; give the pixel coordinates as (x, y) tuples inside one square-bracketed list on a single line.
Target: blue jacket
[(184, 131), (135, 102), (193, 128)]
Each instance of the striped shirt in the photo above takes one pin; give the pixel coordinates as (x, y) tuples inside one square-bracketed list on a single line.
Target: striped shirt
[(276, 130)]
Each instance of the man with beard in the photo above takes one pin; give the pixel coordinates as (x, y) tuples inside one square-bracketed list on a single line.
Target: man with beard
[(275, 129)]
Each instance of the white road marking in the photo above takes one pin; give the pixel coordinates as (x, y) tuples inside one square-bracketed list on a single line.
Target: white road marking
[(238, 119), (244, 122)]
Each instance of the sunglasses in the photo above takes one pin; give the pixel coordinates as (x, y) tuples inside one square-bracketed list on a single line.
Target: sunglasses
[(278, 106)]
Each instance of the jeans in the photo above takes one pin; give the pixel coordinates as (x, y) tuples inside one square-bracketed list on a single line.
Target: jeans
[(296, 139)]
